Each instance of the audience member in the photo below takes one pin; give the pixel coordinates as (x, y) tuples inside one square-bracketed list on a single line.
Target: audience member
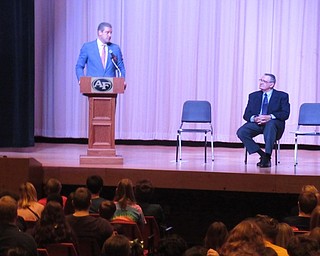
[(53, 227), (107, 209), (172, 245), (285, 232), (315, 218), (196, 251), (69, 208), (246, 238), (144, 190), (126, 207), (116, 245), (216, 235), (10, 236), (55, 198), (52, 186), (315, 234), (84, 225), (95, 185), (307, 201), (306, 188), (28, 207), (269, 228), (17, 252), (303, 246)]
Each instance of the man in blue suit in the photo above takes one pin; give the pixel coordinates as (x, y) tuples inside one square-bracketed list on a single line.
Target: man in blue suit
[(101, 57), (265, 114)]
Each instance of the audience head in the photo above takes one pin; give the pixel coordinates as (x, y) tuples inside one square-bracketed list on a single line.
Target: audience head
[(124, 193), (307, 201), (285, 233), (315, 234), (302, 246), (172, 245), (196, 251), (52, 214), (8, 210), (18, 252), (56, 198), (69, 208), (315, 218), (216, 235), (144, 191), (268, 226), (27, 193), (81, 199), (52, 186), (94, 184), (244, 238), (107, 209), (116, 245)]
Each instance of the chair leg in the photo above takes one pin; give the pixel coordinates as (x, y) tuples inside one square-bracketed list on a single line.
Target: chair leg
[(180, 147), (205, 148), (177, 147), (212, 153), (295, 150), (245, 155)]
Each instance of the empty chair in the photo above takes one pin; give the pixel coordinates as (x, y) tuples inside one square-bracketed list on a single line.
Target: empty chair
[(88, 247), (42, 252), (309, 115), (195, 112), (151, 233), (61, 249), (130, 229)]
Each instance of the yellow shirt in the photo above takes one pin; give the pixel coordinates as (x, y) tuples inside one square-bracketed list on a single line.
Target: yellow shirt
[(278, 249)]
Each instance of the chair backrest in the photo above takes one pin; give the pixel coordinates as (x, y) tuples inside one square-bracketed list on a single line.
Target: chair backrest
[(42, 252), (130, 229), (151, 232), (61, 249), (196, 111), (88, 247), (309, 114)]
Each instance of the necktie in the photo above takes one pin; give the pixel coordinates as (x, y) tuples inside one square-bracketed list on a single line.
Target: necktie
[(265, 103), (103, 56)]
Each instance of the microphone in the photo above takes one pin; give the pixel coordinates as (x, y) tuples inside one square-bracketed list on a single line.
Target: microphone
[(114, 61)]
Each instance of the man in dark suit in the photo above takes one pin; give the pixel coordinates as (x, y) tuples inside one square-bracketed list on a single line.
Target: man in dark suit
[(266, 112), (101, 57)]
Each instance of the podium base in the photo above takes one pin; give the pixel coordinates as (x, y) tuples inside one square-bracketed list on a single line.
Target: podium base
[(86, 159)]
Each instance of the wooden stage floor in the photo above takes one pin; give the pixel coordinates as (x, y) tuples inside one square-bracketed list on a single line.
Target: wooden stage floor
[(227, 173)]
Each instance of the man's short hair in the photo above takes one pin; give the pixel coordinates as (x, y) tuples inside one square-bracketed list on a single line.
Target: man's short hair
[(103, 25), (272, 77), (8, 209), (307, 202), (144, 191), (94, 184), (81, 199), (53, 186)]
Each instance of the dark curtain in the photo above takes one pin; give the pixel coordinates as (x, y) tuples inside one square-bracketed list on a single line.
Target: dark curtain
[(17, 73)]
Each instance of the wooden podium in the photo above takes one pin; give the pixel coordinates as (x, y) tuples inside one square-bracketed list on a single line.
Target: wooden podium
[(102, 93)]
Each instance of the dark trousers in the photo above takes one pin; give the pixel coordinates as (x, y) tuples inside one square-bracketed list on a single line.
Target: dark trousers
[(271, 131)]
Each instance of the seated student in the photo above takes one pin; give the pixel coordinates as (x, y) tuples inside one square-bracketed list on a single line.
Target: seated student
[(10, 235), (303, 246), (216, 235), (28, 207), (172, 245), (306, 203), (116, 245), (269, 228), (144, 192), (107, 209), (53, 227), (84, 225), (126, 206), (52, 186), (95, 185)]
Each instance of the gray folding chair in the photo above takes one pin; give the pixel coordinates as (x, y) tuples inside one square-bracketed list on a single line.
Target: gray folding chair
[(309, 115), (195, 111)]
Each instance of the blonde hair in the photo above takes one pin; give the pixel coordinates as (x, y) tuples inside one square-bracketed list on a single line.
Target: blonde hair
[(28, 194)]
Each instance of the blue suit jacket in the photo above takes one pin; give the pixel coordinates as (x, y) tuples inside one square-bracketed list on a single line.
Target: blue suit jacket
[(89, 55), (279, 106)]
